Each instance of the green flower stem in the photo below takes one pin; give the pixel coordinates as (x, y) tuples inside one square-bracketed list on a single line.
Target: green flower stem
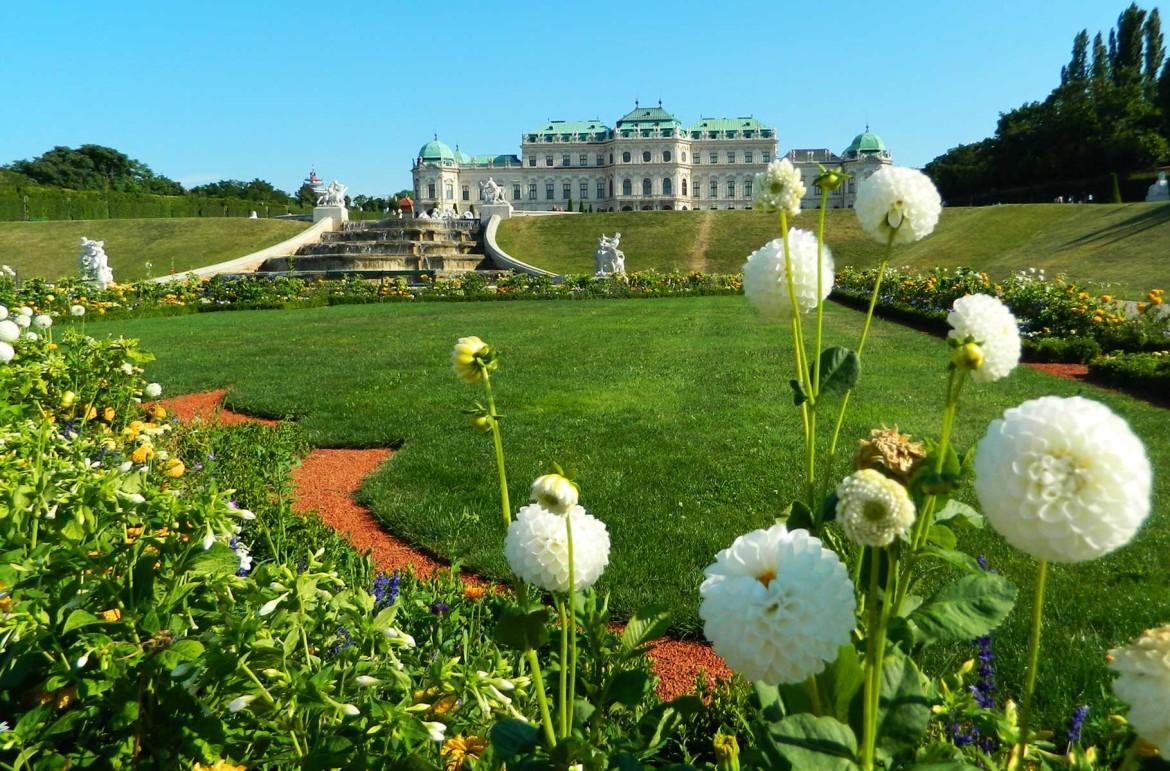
[(563, 684), (1132, 756), (814, 694), (873, 693), (252, 676), (1033, 659), (571, 620), (550, 735), (808, 408), (869, 718), (504, 502)]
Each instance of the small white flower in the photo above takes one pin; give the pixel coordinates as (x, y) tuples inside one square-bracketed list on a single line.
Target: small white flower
[(765, 276), (82, 660), (900, 201), (22, 321), (32, 337), (537, 548), (779, 188), (350, 710), (271, 605), (463, 358), (245, 514), (1143, 682), (241, 702), (26, 311), (987, 321), (873, 509), (1063, 479), (6, 352), (4, 727), (77, 310), (365, 681), (126, 466), (436, 730), (43, 321), (555, 493), (777, 606), (208, 540), (127, 368), (152, 391), (9, 331), (401, 637), (3, 312)]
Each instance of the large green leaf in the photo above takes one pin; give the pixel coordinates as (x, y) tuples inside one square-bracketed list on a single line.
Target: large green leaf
[(840, 369), (904, 708), (514, 737), (522, 631), (968, 608), (841, 680), (648, 624), (808, 741), (628, 687), (78, 619), (961, 513)]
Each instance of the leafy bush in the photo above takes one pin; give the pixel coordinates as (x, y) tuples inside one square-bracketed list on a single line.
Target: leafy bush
[(1149, 372)]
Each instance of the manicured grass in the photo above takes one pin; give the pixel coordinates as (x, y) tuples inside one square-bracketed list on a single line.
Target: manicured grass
[(51, 249), (1124, 245), (677, 416)]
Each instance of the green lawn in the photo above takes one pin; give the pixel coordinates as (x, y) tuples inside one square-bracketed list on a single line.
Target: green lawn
[(51, 249), (674, 412), (1124, 245)]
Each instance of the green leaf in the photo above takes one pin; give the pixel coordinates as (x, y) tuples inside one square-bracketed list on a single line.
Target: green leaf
[(766, 699), (842, 680), (904, 708), (78, 619), (799, 395), (183, 650), (218, 560), (628, 687), (942, 537), (968, 608), (959, 559), (961, 513), (823, 743), (522, 631), (514, 737), (648, 624), (797, 516), (840, 369)]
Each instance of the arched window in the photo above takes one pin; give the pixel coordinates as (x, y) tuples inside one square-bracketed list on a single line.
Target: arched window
[(449, 191), (684, 186), (627, 188), (666, 156), (646, 187), (667, 189), (731, 189), (645, 156), (626, 157)]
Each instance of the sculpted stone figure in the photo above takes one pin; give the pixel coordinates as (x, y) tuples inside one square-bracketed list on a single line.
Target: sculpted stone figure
[(95, 265), (608, 259), (1159, 191), (490, 192), (334, 195)]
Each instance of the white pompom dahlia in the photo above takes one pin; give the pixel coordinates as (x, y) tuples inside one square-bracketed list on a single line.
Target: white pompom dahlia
[(537, 548), (7, 352), (555, 493), (898, 200), (777, 605), (9, 331), (873, 509), (152, 391), (778, 188), (987, 321), (1143, 682), (42, 321), (1063, 479), (765, 279)]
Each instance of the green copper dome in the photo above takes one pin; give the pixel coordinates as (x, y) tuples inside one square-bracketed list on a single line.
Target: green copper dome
[(437, 151), (867, 143), (463, 158)]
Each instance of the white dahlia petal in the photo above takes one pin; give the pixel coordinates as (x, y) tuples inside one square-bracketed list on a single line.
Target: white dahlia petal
[(777, 606), (778, 188), (1143, 682), (555, 493), (873, 509), (1063, 479), (537, 548), (765, 279), (899, 200), (987, 321)]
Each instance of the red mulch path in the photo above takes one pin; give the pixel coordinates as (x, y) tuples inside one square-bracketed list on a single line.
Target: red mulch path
[(1068, 371), (326, 481)]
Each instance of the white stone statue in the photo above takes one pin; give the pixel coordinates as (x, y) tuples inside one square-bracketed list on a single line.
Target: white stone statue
[(95, 265), (1159, 191), (334, 195), (608, 259), (490, 192), (253, 215)]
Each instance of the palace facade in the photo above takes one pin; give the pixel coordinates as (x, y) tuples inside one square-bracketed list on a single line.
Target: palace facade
[(647, 161)]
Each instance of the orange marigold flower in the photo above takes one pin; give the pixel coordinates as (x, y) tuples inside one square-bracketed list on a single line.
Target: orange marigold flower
[(142, 453), (111, 615), (458, 750), (474, 592)]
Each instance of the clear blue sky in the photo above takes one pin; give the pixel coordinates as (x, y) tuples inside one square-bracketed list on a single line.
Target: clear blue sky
[(210, 90)]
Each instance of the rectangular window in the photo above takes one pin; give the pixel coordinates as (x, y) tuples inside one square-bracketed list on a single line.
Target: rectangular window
[(584, 195), (548, 160), (747, 193), (731, 190), (714, 157), (600, 194), (747, 158), (531, 191), (767, 156), (566, 193), (431, 194), (714, 189), (515, 192), (565, 160), (698, 159), (731, 156), (600, 159), (466, 193), (532, 160), (548, 191), (584, 161)]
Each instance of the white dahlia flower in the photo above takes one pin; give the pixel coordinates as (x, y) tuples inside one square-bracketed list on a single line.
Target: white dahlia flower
[(43, 321), (778, 188), (873, 509), (6, 352), (899, 200), (1143, 682), (987, 321), (3, 312), (463, 358), (555, 493), (23, 321), (152, 391), (1063, 479), (32, 337), (777, 605), (77, 310), (26, 311), (765, 280), (537, 548), (9, 331)]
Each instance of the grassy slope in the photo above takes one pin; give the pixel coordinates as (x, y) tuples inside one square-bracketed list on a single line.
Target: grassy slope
[(674, 412), (1125, 244), (51, 249)]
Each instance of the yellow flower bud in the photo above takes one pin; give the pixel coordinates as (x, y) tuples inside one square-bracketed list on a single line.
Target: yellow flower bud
[(726, 752), (68, 398), (968, 356)]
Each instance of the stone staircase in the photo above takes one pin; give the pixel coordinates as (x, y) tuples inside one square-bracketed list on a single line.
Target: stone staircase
[(389, 248)]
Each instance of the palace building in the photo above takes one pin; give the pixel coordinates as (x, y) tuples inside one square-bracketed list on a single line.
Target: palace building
[(647, 161)]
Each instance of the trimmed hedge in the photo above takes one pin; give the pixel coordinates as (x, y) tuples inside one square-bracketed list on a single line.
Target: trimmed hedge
[(33, 202)]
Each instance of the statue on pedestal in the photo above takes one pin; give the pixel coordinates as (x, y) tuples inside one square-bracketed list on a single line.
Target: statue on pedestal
[(95, 265), (608, 259), (334, 195), (1159, 191), (490, 192)]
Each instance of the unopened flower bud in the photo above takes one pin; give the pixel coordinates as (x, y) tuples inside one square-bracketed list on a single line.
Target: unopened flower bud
[(726, 752), (968, 356), (482, 423), (830, 179)]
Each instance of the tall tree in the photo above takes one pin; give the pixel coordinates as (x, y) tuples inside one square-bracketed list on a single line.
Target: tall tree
[(1155, 51), (1100, 66), (1126, 61), (1077, 70)]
